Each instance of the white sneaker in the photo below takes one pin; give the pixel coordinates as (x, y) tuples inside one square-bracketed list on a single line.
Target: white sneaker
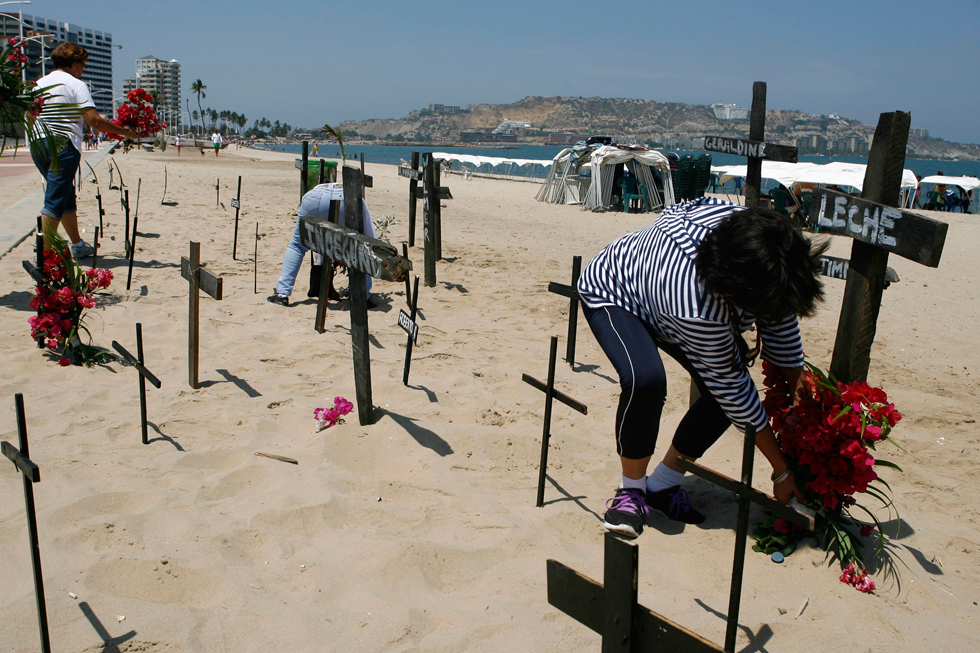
[(81, 249)]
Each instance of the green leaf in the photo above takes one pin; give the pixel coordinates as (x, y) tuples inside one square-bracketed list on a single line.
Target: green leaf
[(789, 548), (886, 463), (889, 438), (757, 548)]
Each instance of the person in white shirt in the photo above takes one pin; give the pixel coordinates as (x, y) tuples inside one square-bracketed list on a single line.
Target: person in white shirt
[(178, 143), (59, 193), (216, 139)]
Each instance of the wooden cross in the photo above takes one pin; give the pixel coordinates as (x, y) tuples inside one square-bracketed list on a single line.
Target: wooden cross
[(236, 204), (755, 148), (413, 175), (550, 394), (145, 375), (132, 241), (22, 461), (746, 496), (36, 269), (98, 196), (611, 608), (125, 204), (255, 259), (326, 275), (432, 194), (570, 291), (836, 268), (363, 256), (217, 192), (198, 279), (877, 228), (303, 179), (409, 326)]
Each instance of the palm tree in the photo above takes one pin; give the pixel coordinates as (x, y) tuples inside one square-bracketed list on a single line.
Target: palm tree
[(336, 133), (199, 88)]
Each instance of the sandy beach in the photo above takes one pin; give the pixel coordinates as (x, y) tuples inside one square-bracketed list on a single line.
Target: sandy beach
[(419, 532)]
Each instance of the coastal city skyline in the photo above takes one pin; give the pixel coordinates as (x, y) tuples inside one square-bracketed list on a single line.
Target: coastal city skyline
[(854, 61)]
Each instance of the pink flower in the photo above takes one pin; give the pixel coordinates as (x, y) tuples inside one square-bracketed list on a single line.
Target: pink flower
[(64, 362)]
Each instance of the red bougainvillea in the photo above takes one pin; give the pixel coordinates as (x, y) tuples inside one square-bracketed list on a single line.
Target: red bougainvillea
[(137, 114)]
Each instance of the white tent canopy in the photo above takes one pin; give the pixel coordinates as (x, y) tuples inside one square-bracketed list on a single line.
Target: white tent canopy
[(835, 173), (490, 160), (966, 183)]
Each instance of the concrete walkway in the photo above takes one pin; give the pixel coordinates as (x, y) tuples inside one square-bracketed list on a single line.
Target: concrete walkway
[(19, 220)]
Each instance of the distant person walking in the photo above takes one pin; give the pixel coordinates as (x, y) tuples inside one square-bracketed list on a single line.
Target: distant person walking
[(216, 139), (177, 143), (316, 150), (66, 87)]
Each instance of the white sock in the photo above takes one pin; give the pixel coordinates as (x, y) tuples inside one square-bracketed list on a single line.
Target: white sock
[(662, 478), (633, 483)]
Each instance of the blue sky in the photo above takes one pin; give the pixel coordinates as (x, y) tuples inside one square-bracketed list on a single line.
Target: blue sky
[(310, 63)]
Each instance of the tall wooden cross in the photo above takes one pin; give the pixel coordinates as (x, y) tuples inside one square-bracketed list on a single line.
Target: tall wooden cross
[(198, 279), (611, 608), (413, 174), (432, 195), (550, 394), (877, 228), (410, 326), (570, 291), (22, 461), (364, 256), (746, 496), (236, 203)]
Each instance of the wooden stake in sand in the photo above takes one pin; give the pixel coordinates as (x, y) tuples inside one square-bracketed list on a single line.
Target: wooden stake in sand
[(145, 375), (236, 204), (432, 195), (198, 279), (36, 269), (877, 229), (132, 241), (217, 191), (98, 197), (570, 291), (303, 179), (550, 394), (29, 470), (409, 326), (746, 496), (284, 459), (611, 608), (126, 207), (255, 259), (326, 275), (363, 256), (95, 250)]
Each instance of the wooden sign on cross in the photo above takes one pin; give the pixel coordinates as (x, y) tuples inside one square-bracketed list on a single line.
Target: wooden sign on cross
[(611, 608), (364, 256), (550, 394), (877, 228), (138, 362), (198, 279), (746, 496), (570, 291), (29, 470)]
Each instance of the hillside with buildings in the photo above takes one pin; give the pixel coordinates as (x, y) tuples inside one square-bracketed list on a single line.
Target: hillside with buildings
[(563, 120)]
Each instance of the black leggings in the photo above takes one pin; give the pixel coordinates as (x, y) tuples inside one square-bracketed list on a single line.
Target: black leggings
[(634, 350)]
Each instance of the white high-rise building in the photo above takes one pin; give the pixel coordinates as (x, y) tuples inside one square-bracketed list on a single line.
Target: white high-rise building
[(161, 78)]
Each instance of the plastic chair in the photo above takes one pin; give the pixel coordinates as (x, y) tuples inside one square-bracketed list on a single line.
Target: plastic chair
[(780, 199), (632, 190)]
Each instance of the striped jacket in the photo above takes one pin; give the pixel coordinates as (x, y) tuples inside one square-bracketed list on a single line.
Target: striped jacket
[(651, 274)]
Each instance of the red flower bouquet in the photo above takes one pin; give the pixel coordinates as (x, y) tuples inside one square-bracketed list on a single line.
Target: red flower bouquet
[(827, 433), (137, 114), (61, 302)]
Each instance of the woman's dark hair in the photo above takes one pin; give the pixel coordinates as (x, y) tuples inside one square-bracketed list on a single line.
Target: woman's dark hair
[(68, 54), (759, 261)]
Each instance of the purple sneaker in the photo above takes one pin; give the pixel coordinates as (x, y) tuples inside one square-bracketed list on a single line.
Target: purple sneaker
[(626, 512), (675, 503)]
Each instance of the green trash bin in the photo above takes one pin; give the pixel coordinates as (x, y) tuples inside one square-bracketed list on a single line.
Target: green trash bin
[(313, 171)]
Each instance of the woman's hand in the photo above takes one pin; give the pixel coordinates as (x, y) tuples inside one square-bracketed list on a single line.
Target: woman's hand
[(786, 490)]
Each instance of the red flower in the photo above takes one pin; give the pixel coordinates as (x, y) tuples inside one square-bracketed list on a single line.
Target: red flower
[(867, 530), (64, 362)]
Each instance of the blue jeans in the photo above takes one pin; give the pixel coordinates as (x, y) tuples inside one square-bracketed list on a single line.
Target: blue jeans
[(291, 263), (59, 191)]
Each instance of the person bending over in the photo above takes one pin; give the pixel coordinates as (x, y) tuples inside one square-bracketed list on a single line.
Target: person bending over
[(316, 202), (60, 204), (688, 286)]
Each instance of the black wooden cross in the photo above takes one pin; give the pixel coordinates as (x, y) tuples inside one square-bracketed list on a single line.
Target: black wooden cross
[(132, 241), (255, 260), (125, 204), (236, 204), (363, 256), (98, 197), (570, 291), (198, 279), (877, 228), (432, 194), (413, 175), (550, 394), (22, 461), (746, 496), (408, 324), (36, 269), (145, 375), (611, 608)]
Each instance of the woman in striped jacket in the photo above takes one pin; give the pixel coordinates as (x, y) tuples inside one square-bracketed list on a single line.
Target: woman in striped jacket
[(687, 286)]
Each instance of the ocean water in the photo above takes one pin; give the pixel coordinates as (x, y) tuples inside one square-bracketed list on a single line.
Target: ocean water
[(393, 154)]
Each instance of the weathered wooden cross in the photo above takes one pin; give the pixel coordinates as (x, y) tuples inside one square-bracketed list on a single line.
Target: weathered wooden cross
[(22, 461), (877, 228), (550, 394), (746, 496), (408, 324), (570, 291), (125, 204), (198, 279), (132, 241), (326, 275), (236, 204), (138, 362), (432, 195), (611, 608), (413, 175), (363, 256)]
